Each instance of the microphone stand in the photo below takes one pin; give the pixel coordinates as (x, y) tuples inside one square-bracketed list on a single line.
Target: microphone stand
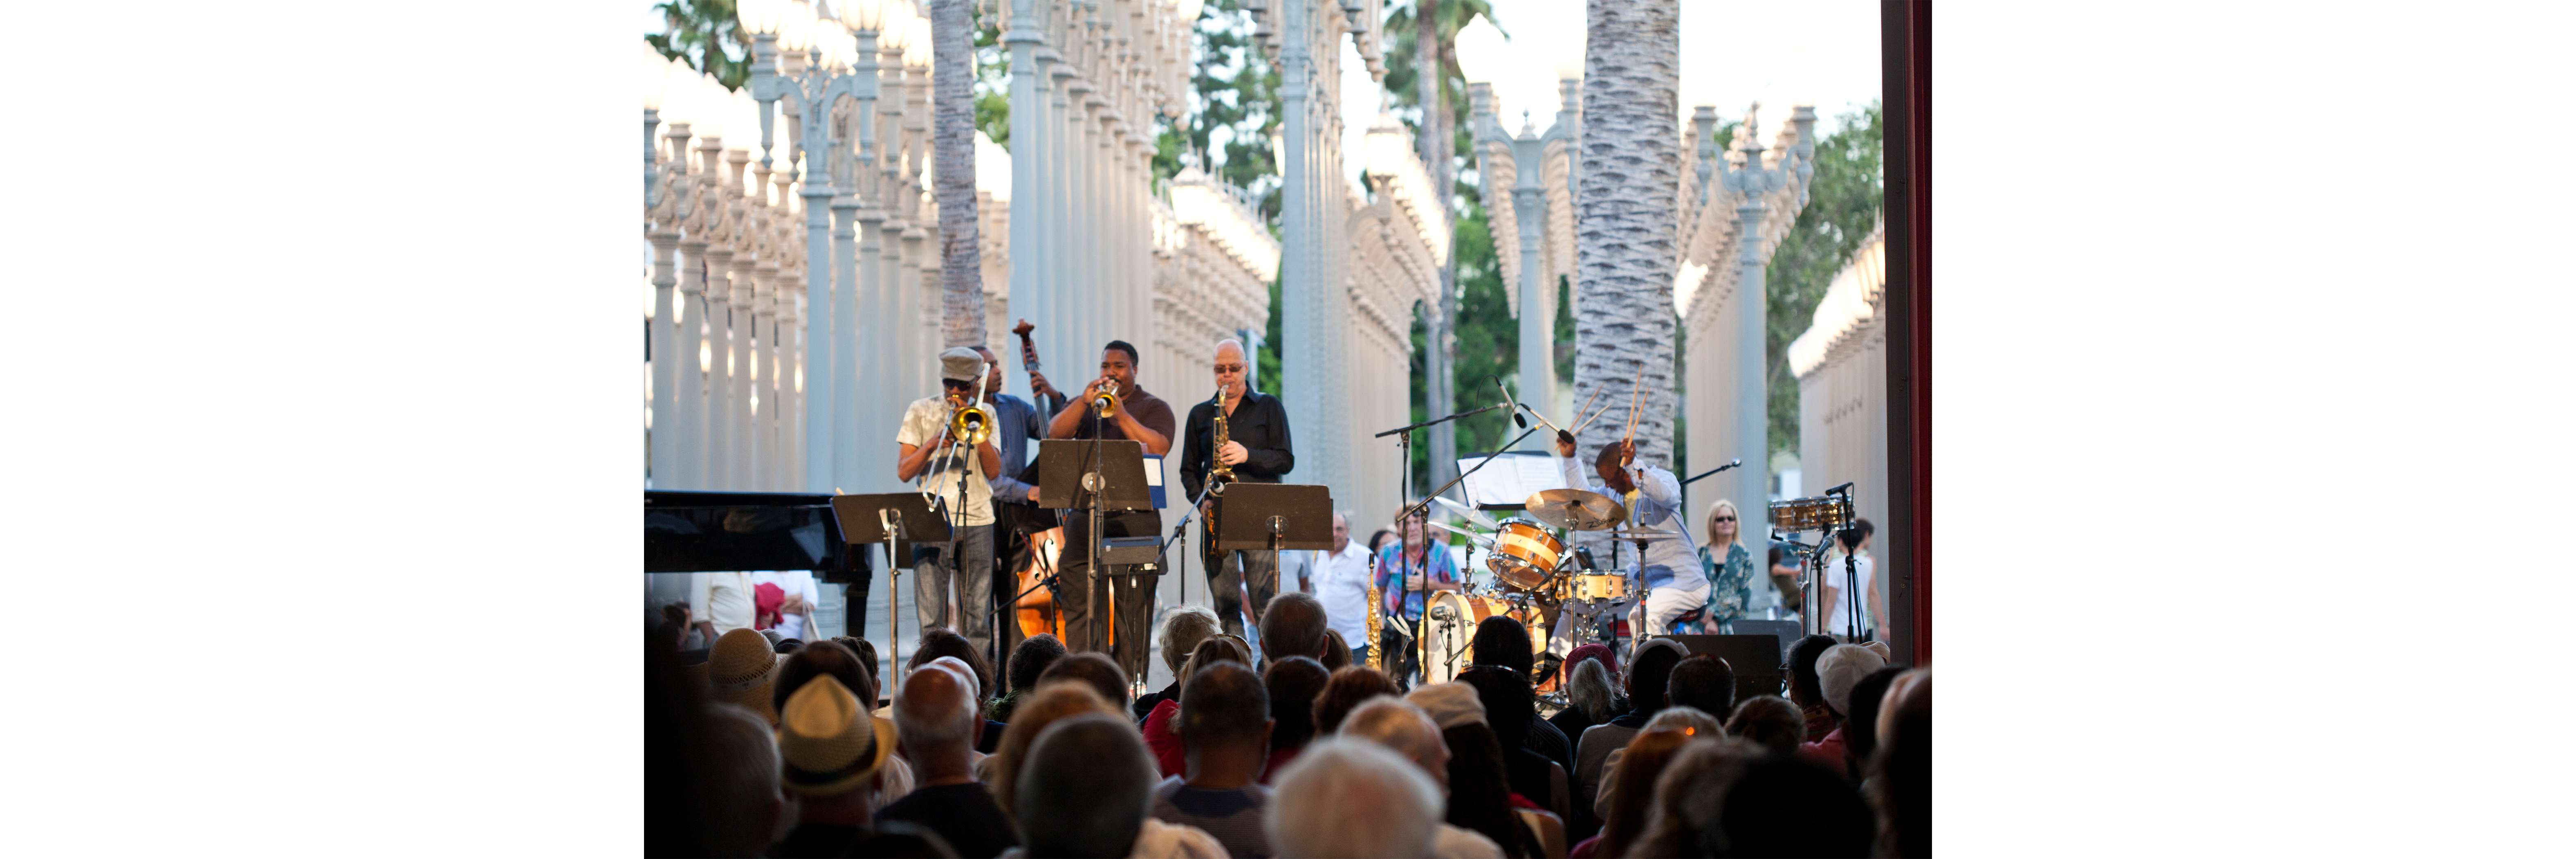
[(1405, 443)]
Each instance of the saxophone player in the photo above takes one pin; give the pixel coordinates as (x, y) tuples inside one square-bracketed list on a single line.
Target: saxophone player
[(959, 474), (1254, 448)]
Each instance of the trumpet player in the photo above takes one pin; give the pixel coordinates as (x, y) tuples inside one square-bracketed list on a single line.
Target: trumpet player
[(1253, 449), (1144, 418), (949, 438)]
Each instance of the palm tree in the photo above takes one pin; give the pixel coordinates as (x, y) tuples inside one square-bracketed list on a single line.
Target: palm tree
[(1625, 220), (952, 112)]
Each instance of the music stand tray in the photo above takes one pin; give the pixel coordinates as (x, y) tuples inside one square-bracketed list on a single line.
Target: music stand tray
[(857, 515), (1305, 515), (1061, 465)]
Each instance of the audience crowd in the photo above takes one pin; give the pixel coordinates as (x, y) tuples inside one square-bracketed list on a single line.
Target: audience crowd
[(787, 748)]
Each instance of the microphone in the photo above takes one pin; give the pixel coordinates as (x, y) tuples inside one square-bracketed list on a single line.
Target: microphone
[(1518, 419), (1839, 490)]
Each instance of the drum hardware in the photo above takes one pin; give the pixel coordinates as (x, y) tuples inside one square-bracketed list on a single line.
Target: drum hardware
[(1480, 539), (1829, 514), (1640, 535), (1472, 514), (1457, 617), (1525, 555)]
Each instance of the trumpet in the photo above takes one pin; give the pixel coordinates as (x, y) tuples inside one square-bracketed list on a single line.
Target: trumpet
[(970, 425), (1106, 399)]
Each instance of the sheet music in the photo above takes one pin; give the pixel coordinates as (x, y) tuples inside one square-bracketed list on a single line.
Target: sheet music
[(1510, 479)]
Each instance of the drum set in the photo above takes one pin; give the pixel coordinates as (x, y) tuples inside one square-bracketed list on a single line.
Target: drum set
[(1536, 580)]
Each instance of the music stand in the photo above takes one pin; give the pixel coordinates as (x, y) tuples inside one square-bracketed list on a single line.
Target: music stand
[(1098, 475), (1274, 516), (897, 519)]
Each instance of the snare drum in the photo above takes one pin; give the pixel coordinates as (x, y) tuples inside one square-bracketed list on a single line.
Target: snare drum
[(1587, 586), (1451, 627), (1821, 513), (1524, 554)]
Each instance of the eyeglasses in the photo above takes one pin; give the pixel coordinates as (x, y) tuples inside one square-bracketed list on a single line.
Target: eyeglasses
[(1723, 519), (1230, 368)]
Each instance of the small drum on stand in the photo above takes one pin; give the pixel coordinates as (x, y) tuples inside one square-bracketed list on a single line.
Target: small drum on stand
[(1525, 555), (1450, 628), (1587, 586)]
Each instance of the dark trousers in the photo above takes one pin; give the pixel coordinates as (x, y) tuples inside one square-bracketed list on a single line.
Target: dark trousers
[(1079, 592), (1229, 572)]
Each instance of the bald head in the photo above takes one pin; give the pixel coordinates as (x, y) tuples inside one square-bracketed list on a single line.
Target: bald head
[(1399, 725), (1231, 367), (935, 713)]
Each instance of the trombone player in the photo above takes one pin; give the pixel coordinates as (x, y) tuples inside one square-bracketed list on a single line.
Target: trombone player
[(949, 438)]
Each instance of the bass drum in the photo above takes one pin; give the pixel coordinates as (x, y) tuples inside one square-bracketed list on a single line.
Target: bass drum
[(1450, 630)]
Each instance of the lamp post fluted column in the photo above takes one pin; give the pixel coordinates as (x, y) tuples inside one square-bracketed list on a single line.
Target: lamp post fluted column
[(1024, 40), (662, 346), (1752, 403)]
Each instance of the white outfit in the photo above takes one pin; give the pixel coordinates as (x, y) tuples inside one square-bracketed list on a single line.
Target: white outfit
[(723, 599), (1848, 607), (1456, 843), (1341, 581), (790, 624), (922, 424)]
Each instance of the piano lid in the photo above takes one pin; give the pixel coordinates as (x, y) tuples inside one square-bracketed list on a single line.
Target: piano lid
[(694, 532)]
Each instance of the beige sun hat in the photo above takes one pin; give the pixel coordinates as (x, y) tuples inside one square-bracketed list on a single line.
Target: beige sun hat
[(828, 743), (739, 670)]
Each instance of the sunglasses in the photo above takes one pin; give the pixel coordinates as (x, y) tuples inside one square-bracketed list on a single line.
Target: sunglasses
[(1229, 368), (1723, 519)]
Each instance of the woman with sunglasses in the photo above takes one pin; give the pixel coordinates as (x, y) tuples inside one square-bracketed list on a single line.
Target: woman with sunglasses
[(1734, 591)]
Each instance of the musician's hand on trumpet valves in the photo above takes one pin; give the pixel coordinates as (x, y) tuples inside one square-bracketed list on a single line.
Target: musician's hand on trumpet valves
[(1091, 394)]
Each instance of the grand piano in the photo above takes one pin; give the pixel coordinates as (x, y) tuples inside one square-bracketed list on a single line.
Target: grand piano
[(714, 532)]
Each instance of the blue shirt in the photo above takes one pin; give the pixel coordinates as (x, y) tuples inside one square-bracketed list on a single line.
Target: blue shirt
[(1020, 422), (1672, 563), (1390, 574)]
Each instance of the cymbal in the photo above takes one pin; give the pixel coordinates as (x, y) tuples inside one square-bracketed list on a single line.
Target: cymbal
[(1576, 509), (1480, 539), (1478, 516)]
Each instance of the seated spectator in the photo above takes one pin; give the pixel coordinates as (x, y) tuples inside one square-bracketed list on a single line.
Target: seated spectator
[(1404, 728), (1702, 682), (1162, 726), (1900, 781), (1292, 625), (1511, 710), (1862, 739), (1293, 684), (937, 714), (1806, 690), (937, 642), (1769, 722), (1648, 671), (1838, 670), (1593, 694), (817, 659), (1052, 701), (1183, 628), (1337, 652), (867, 660), (1688, 721), (1687, 797), (1480, 797), (1631, 791), (1029, 659), (744, 800), (1354, 798), (1226, 725), (1085, 792), (829, 751), (1097, 670), (740, 669), (1783, 806), (1345, 690), (1503, 642)]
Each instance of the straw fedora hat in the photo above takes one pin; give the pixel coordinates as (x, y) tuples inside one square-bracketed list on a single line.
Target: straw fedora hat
[(739, 670), (828, 743)]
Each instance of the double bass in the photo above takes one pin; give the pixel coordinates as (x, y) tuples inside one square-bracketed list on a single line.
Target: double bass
[(1035, 610)]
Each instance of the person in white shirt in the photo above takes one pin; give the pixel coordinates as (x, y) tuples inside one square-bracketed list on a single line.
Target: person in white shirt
[(720, 603), (1842, 614), (923, 446), (1340, 579), (796, 615)]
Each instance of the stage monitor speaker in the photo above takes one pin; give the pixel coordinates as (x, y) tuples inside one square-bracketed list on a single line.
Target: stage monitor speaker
[(1755, 658), (1785, 630)]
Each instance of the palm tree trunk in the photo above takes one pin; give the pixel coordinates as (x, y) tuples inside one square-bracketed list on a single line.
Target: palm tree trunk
[(961, 271), (1442, 315), (1626, 217)]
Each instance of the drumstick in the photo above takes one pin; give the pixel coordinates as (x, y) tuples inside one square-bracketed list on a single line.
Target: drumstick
[(1587, 405), (1635, 397)]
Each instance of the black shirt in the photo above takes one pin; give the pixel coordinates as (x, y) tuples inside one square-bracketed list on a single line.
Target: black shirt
[(964, 814), (1259, 423), (817, 840)]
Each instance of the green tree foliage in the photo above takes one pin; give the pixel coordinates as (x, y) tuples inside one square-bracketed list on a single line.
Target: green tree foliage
[(1488, 347), (1238, 92), (706, 35), (1843, 205)]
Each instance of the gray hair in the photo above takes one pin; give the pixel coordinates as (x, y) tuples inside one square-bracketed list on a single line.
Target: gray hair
[(1397, 724), (1677, 717), (1183, 628), (1348, 797), (1590, 689), (1085, 788), (746, 781), (926, 719)]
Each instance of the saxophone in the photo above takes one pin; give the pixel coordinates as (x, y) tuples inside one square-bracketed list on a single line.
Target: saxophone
[(1376, 619), (1223, 474)]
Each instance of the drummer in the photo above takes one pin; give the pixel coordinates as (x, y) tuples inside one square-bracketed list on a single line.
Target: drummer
[(1654, 500)]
